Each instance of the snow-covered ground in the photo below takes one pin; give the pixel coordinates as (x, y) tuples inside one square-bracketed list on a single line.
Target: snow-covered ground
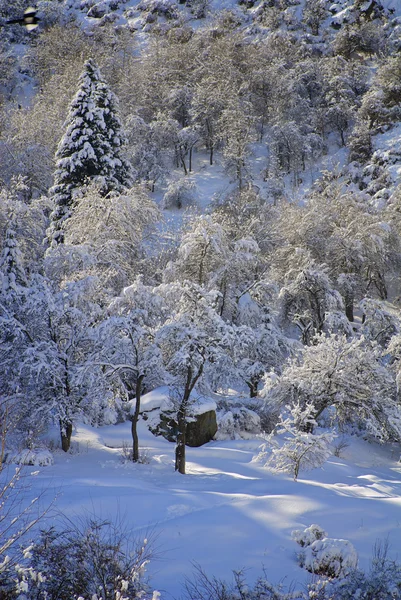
[(228, 512)]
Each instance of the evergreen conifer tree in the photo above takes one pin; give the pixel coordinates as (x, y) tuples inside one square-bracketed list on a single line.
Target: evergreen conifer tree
[(12, 272), (91, 147)]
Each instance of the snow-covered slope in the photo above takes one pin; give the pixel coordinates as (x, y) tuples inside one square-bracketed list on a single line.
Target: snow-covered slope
[(228, 512)]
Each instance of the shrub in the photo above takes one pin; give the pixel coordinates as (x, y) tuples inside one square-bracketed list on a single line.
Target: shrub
[(179, 194), (238, 422), (308, 535), (325, 556), (37, 457), (329, 557), (91, 559)]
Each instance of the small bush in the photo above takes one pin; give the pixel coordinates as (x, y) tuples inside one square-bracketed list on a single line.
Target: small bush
[(162, 8), (126, 454), (91, 559), (39, 457), (329, 557), (308, 535), (236, 423), (204, 587), (325, 556), (339, 446), (179, 194)]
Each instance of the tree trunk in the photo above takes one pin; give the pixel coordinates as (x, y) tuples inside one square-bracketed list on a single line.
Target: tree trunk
[(66, 433), (134, 419), (211, 154), (349, 307), (239, 173), (253, 388), (181, 439), (190, 383), (184, 166)]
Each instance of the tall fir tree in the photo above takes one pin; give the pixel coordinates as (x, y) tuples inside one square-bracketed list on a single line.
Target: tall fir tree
[(12, 272), (90, 149)]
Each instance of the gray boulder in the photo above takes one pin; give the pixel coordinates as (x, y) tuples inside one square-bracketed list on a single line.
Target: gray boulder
[(200, 430)]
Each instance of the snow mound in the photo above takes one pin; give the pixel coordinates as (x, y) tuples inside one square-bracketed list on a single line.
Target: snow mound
[(37, 457), (330, 557), (326, 556)]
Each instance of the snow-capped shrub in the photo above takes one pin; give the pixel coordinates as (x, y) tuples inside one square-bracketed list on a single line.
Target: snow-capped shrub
[(98, 10), (39, 457), (163, 8), (325, 556), (239, 422), (309, 535), (381, 582), (179, 194), (329, 557), (298, 449), (53, 565)]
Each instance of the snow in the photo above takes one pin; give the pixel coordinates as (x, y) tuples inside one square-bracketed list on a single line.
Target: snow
[(38, 457), (388, 144), (160, 399), (228, 512), (330, 556)]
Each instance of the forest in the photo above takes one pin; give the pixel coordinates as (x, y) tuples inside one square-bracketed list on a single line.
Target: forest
[(201, 197)]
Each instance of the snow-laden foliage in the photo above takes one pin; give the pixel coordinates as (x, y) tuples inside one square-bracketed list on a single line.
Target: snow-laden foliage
[(180, 194), (255, 350), (379, 324), (329, 557), (202, 250), (192, 345), (91, 147), (27, 220), (299, 447), (326, 556), (346, 374), (286, 115), (12, 271), (381, 582), (236, 423), (307, 536), (309, 300), (44, 341), (125, 351), (36, 456), (86, 559), (113, 229), (354, 246)]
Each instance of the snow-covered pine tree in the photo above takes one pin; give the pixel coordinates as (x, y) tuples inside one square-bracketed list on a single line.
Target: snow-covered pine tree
[(90, 149), (12, 272)]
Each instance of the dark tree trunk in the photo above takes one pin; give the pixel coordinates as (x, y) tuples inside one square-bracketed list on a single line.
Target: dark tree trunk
[(253, 388), (190, 383), (66, 434), (190, 160), (181, 440), (184, 166), (134, 419), (349, 307)]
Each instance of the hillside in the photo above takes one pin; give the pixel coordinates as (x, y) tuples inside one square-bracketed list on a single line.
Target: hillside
[(200, 215)]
